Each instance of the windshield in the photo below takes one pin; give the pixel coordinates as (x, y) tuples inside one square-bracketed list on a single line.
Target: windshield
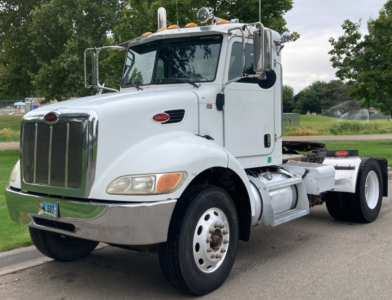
[(170, 61)]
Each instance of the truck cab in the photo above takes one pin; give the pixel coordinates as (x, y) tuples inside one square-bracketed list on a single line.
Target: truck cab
[(184, 160)]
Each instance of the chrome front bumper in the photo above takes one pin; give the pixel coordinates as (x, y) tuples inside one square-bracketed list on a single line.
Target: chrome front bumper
[(120, 223)]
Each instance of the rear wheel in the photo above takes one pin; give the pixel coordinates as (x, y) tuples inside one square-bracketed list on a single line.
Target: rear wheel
[(367, 200), (202, 241), (365, 204), (337, 205), (61, 247)]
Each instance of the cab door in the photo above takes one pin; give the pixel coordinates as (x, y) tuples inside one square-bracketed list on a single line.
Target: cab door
[(249, 110)]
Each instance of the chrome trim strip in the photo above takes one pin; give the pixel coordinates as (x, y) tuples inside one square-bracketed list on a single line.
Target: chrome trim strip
[(50, 153), (66, 158), (35, 152), (119, 223)]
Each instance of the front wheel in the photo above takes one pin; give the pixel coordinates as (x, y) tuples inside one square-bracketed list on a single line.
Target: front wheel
[(202, 241), (61, 247)]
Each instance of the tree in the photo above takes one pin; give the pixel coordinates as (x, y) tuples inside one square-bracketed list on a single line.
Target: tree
[(310, 98), (288, 98), (17, 63), (141, 16), (365, 61), (42, 41), (42, 44), (334, 93)]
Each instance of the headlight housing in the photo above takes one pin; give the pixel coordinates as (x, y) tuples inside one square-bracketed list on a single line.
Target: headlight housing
[(150, 184), (14, 173)]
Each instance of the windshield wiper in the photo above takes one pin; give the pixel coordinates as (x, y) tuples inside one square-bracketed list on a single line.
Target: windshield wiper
[(134, 84), (175, 80)]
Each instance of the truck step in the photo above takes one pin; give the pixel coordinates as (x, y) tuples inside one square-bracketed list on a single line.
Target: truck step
[(284, 183), (290, 215)]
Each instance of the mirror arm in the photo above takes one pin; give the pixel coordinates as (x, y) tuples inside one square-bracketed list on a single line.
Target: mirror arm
[(96, 52), (281, 100), (243, 59)]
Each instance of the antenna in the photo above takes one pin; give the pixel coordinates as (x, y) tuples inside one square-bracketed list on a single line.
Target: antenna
[(259, 11), (177, 11)]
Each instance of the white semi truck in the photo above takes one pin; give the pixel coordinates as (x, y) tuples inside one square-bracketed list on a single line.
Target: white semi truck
[(184, 160)]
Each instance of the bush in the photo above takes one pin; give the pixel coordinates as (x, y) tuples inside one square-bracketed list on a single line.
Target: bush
[(9, 135), (347, 127)]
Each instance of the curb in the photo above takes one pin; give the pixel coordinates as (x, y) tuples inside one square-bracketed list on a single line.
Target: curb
[(15, 267)]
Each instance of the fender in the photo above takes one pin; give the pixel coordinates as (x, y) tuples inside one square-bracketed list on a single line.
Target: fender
[(169, 152), (235, 166)]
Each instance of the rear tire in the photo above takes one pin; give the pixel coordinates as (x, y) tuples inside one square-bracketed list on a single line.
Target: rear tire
[(202, 241), (367, 200), (337, 205), (365, 204), (61, 247)]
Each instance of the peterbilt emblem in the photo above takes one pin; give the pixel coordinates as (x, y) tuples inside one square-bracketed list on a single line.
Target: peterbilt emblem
[(51, 117), (161, 117), (341, 153)]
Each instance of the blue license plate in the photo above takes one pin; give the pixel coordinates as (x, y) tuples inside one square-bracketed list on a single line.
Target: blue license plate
[(46, 209)]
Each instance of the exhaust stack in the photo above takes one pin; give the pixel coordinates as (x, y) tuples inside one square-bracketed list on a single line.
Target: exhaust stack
[(162, 18)]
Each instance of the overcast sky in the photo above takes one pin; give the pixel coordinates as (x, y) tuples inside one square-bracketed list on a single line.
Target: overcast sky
[(307, 59)]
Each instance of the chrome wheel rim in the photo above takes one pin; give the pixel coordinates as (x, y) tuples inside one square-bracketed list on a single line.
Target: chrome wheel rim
[(211, 240), (372, 189)]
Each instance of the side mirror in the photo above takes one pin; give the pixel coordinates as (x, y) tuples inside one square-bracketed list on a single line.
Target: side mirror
[(95, 66), (262, 51)]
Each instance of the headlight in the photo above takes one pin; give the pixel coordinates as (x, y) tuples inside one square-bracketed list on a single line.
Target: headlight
[(147, 184), (14, 173)]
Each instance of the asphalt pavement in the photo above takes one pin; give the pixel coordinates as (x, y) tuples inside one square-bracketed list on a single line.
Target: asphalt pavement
[(314, 257)]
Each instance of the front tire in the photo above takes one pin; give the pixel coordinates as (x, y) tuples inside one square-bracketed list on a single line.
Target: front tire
[(61, 247), (202, 241)]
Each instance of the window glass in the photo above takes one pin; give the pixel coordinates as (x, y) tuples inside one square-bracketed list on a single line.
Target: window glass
[(139, 64), (179, 60), (188, 59), (236, 62)]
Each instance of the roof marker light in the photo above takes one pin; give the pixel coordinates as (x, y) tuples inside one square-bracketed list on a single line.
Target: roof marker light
[(190, 25), (173, 27)]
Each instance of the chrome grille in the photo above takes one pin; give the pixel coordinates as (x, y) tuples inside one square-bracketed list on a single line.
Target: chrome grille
[(53, 154)]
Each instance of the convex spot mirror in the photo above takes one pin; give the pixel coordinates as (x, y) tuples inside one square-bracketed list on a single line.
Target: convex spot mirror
[(262, 51), (268, 81)]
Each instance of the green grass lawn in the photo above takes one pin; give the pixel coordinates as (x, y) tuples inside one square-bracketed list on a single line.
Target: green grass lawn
[(12, 235), (10, 128), (321, 125), (376, 149)]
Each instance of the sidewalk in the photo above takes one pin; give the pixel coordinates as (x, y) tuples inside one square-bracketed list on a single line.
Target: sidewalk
[(316, 138), (9, 146)]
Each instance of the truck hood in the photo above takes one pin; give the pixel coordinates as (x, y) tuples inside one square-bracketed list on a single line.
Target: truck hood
[(125, 120)]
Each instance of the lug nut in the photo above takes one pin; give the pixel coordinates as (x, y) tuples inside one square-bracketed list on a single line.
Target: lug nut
[(222, 226), (225, 241), (223, 250), (209, 250), (217, 225), (213, 256), (209, 240), (212, 230), (218, 256), (225, 232)]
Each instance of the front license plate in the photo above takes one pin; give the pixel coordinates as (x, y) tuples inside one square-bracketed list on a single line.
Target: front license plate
[(46, 209)]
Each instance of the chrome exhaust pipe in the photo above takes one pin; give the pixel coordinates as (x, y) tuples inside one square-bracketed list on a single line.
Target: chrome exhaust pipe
[(162, 18)]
